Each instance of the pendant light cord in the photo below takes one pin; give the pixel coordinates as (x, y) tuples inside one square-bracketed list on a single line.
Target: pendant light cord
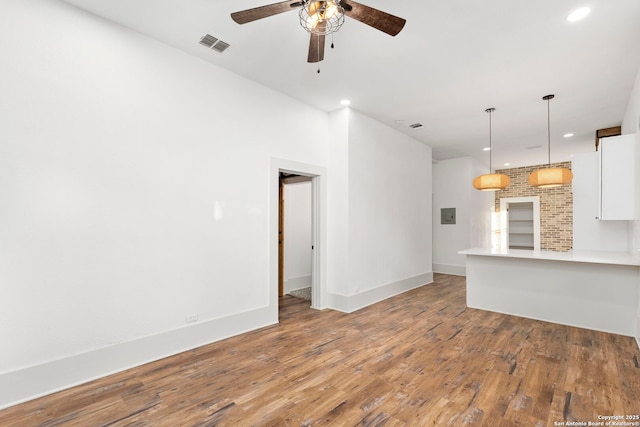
[(548, 98), (549, 131), (490, 145), (490, 110)]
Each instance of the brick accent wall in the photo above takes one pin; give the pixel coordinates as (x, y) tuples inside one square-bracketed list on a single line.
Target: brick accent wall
[(556, 206)]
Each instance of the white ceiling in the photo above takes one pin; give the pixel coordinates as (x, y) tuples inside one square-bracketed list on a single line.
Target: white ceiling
[(452, 60)]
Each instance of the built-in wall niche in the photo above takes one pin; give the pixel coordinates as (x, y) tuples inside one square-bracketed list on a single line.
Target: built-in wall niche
[(520, 222)]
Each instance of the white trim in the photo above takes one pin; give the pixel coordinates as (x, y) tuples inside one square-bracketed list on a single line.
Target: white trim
[(318, 228), (456, 270), (295, 283), (504, 217), (351, 303), (49, 377), (318, 240)]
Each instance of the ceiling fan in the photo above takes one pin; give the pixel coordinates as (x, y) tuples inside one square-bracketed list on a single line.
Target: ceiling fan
[(322, 17)]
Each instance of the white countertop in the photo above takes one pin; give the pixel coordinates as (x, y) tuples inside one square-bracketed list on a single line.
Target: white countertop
[(594, 257)]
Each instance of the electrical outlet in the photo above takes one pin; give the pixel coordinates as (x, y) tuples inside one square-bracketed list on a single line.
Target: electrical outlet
[(191, 318)]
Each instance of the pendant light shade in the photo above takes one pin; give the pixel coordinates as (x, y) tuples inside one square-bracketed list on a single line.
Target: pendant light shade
[(550, 177), (491, 181)]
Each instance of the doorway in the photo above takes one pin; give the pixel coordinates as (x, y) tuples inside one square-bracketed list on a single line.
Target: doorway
[(295, 245), (317, 174)]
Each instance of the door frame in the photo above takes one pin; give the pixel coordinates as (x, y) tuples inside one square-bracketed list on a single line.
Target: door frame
[(282, 184), (318, 228), (504, 219)]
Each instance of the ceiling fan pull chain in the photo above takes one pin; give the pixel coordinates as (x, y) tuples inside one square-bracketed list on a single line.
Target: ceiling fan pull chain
[(331, 40), (318, 52)]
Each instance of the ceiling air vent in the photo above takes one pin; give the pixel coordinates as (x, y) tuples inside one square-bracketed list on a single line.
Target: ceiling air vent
[(220, 46), (415, 125), (208, 40), (213, 43)]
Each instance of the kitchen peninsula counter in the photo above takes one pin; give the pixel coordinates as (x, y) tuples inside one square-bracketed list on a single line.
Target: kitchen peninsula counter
[(588, 289)]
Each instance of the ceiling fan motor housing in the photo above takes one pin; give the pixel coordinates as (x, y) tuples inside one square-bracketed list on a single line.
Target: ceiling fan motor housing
[(321, 17)]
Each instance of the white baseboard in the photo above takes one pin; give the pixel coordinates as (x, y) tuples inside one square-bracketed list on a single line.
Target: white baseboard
[(295, 283), (456, 270), (40, 380), (351, 303)]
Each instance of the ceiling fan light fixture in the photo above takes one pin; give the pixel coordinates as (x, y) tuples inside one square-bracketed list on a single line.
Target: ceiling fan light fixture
[(321, 17)]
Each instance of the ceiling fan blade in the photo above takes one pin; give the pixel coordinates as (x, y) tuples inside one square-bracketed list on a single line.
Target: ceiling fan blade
[(316, 47), (375, 18), (250, 15)]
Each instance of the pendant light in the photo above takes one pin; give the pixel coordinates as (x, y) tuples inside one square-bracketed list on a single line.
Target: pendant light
[(491, 181), (550, 177)]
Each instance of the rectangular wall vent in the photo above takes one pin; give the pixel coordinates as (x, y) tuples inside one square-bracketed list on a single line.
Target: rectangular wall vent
[(213, 43)]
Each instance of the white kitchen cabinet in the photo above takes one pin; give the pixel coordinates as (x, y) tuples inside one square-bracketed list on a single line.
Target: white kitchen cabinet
[(590, 234), (618, 179)]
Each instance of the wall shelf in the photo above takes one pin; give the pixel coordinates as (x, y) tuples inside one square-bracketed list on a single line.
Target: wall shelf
[(520, 225)]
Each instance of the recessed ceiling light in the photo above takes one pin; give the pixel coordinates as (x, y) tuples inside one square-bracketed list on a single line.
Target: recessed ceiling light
[(578, 14), (486, 149), (507, 164), (345, 102), (568, 135)]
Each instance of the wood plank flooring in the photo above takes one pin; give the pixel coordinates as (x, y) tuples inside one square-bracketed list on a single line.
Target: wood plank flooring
[(420, 358)]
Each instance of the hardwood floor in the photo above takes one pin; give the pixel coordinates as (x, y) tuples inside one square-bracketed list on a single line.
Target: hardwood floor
[(420, 358)]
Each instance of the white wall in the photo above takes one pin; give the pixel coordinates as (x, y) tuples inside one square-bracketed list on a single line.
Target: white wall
[(631, 120), (338, 210), (482, 209), (137, 188), (389, 205), (589, 233), (297, 236), (452, 188), (631, 124), (385, 240), (133, 193)]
